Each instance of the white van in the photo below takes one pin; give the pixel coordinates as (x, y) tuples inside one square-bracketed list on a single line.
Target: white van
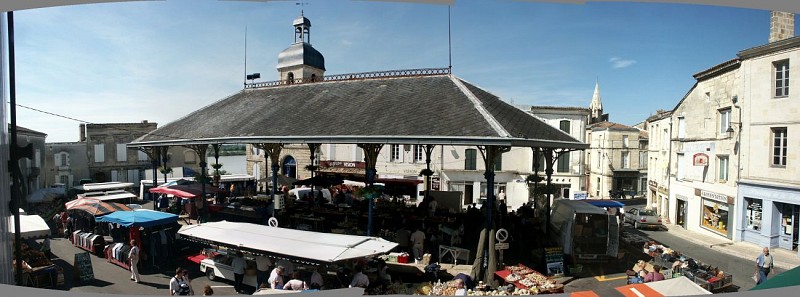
[(298, 193), (586, 232)]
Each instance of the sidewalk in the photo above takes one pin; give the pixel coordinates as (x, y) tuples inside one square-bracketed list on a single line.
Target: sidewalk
[(784, 259)]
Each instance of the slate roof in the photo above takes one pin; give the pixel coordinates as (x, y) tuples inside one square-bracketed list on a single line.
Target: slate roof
[(430, 109)]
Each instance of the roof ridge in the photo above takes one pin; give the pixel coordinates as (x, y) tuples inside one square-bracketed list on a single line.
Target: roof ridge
[(479, 106)]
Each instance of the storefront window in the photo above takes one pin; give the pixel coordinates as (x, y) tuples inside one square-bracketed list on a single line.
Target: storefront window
[(753, 213), (715, 216)]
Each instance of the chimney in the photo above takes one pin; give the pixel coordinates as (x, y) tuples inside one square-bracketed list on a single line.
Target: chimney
[(781, 26), (83, 132)]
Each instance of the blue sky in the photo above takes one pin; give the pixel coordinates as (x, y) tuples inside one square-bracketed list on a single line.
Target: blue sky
[(158, 61)]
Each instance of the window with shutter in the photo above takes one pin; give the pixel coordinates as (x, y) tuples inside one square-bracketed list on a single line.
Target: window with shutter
[(99, 153), (122, 152)]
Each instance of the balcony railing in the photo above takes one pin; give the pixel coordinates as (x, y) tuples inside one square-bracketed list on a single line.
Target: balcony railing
[(353, 76)]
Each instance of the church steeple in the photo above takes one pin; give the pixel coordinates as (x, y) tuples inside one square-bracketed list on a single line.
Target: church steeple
[(596, 106), (300, 62)]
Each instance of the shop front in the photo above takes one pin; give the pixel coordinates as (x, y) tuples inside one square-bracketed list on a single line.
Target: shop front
[(769, 215), (716, 212)]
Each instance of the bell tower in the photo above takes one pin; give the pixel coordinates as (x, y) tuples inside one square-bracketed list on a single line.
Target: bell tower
[(301, 62)]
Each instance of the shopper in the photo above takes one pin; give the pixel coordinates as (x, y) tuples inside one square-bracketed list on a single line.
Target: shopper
[(276, 278), (764, 264), (360, 279), (316, 279), (262, 267), (238, 264), (178, 285), (418, 244), (133, 256), (46, 247), (295, 283), (654, 275)]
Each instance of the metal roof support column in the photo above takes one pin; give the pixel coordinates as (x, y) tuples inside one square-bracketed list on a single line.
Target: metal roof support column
[(216, 165), (273, 151), (201, 150), (153, 153), (489, 262), (371, 152), (548, 171), (313, 147), (162, 151), (428, 172)]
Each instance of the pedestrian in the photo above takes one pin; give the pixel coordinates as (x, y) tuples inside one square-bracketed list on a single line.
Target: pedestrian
[(432, 206), (295, 283), (276, 278), (262, 269), (418, 244), (133, 256), (207, 290), (402, 237), (360, 279), (764, 264), (163, 203), (178, 285), (238, 264), (46, 247)]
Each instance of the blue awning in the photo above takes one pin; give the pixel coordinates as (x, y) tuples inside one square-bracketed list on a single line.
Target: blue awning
[(605, 203), (139, 218)]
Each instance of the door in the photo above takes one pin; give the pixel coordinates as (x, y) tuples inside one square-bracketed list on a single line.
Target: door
[(468, 194), (681, 214)]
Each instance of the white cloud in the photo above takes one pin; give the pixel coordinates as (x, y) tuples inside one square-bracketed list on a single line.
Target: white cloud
[(617, 62)]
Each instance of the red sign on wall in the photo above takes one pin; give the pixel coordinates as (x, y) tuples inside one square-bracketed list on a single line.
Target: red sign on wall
[(700, 159)]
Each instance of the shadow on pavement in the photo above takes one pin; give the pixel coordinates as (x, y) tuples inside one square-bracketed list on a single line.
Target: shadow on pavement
[(154, 285)]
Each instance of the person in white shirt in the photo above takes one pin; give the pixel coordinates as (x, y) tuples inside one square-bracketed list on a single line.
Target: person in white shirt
[(238, 264), (262, 266), (359, 279), (418, 243), (295, 283), (316, 280), (276, 278), (133, 256)]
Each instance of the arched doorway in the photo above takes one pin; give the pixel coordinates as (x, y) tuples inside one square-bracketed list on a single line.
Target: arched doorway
[(289, 167)]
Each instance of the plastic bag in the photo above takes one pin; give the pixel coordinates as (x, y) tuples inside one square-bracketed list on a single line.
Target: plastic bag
[(755, 277)]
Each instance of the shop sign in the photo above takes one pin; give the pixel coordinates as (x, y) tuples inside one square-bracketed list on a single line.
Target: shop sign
[(340, 164), (714, 196), (663, 190), (435, 183), (652, 183), (700, 159)]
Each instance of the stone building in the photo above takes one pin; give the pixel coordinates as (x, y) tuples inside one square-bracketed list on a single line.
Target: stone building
[(659, 127), (569, 172), (67, 163), (764, 128), (613, 159)]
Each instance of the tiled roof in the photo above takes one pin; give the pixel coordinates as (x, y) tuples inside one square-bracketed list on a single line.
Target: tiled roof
[(28, 131), (431, 109), (611, 126)]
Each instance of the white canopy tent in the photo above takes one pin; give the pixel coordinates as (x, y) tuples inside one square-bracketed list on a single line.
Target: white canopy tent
[(311, 246), (92, 187), (32, 226), (680, 286)]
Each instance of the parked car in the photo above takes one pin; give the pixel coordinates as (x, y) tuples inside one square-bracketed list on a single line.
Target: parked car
[(643, 217), (219, 267)]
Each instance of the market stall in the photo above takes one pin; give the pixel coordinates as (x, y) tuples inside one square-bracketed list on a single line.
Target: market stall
[(30, 227), (151, 230), (529, 280), (676, 265), (680, 286), (37, 270), (87, 234)]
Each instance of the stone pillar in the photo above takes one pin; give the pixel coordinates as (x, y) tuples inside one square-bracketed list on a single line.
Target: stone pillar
[(273, 151)]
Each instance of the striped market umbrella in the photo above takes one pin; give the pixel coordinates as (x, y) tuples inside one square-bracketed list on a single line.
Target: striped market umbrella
[(99, 208)]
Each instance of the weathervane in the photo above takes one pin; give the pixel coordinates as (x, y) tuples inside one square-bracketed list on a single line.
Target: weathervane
[(302, 4)]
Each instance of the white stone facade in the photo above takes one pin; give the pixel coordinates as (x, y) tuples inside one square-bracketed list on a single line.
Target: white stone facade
[(659, 127)]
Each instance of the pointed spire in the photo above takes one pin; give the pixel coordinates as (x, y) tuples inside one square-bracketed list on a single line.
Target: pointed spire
[(596, 106), (596, 102)]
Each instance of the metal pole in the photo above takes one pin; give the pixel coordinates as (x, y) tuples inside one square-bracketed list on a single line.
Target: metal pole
[(13, 151), (549, 172), (155, 176), (274, 184)]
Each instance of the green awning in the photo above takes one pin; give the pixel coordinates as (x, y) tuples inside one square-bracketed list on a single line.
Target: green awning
[(786, 279)]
